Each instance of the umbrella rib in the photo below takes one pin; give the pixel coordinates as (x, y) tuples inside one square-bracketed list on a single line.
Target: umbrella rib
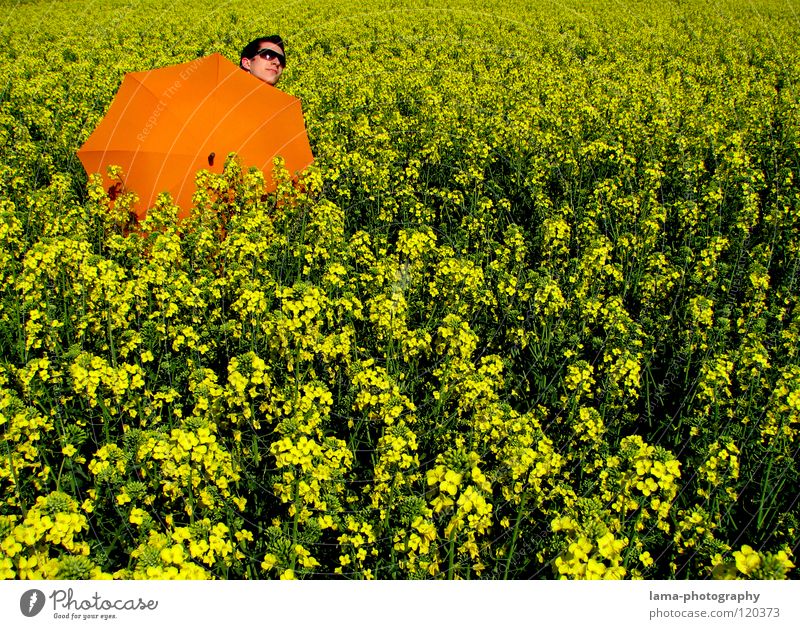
[(289, 141), (256, 86), (139, 85), (135, 76)]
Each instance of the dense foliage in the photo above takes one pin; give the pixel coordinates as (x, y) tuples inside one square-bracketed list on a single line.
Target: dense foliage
[(533, 313)]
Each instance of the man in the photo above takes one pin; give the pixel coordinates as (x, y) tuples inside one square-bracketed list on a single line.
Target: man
[(264, 58)]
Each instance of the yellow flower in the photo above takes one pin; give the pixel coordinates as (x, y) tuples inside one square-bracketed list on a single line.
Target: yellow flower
[(6, 568), (450, 483), (137, 515), (610, 547), (173, 554), (595, 569), (269, 561), (747, 560), (783, 558)]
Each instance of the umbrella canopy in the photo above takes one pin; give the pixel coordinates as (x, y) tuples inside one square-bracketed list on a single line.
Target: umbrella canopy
[(166, 124)]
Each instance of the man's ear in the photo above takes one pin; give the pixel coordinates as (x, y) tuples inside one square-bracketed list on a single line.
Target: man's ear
[(245, 63)]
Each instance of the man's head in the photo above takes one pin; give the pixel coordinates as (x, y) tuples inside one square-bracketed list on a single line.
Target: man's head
[(264, 58)]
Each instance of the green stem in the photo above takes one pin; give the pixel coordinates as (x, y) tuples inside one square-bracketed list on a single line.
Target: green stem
[(15, 481), (295, 523), (514, 536), (451, 555)]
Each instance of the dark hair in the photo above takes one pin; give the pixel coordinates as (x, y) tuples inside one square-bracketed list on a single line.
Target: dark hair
[(249, 51)]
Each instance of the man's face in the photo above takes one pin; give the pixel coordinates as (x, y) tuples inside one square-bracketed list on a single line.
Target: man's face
[(268, 70)]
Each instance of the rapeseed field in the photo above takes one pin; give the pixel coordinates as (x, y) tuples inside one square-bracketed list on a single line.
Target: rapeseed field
[(533, 312)]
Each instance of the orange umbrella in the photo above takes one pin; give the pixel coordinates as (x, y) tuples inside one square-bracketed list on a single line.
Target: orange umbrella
[(166, 124)]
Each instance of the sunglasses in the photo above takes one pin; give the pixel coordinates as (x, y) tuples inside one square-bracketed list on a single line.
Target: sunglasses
[(267, 54)]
